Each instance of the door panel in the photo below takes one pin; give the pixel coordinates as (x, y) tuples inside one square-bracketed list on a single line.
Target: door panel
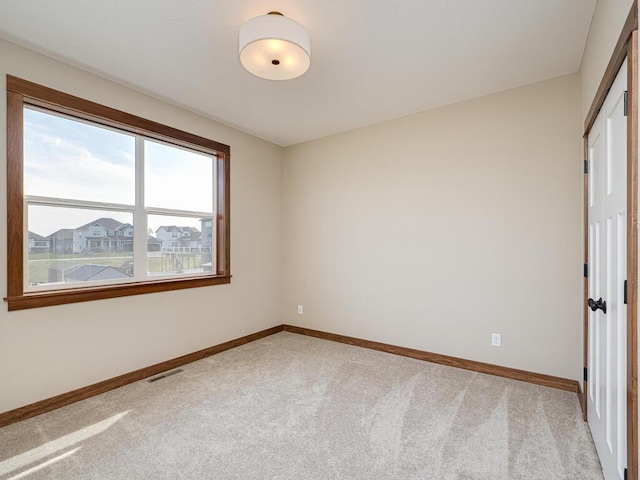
[(607, 264)]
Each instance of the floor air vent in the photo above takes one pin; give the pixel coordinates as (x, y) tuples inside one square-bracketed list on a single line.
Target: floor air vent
[(164, 375)]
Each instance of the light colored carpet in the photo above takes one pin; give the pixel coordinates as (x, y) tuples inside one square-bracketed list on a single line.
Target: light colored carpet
[(294, 407)]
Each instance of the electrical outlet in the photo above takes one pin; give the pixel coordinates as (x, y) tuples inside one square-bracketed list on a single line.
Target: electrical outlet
[(496, 340), (300, 309)]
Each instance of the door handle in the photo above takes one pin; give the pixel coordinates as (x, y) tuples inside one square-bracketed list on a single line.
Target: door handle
[(599, 304)]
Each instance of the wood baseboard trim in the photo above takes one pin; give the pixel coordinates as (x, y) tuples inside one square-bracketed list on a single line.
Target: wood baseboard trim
[(506, 372), (53, 403), (581, 399)]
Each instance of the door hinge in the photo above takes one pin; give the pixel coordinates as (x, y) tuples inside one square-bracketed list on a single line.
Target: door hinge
[(586, 166), (625, 292), (585, 375), (586, 270), (626, 102), (625, 474)]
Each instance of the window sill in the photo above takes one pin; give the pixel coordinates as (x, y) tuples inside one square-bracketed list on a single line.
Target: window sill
[(62, 297)]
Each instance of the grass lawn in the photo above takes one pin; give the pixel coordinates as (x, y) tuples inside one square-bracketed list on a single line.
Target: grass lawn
[(158, 262)]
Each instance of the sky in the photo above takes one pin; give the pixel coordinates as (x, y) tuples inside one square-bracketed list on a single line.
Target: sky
[(70, 159)]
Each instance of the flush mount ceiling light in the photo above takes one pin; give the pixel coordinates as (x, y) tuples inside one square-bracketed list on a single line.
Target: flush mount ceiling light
[(275, 47)]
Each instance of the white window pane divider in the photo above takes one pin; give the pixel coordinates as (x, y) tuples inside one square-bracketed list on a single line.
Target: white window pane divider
[(140, 218), (178, 213), (214, 218), (66, 202), (25, 244)]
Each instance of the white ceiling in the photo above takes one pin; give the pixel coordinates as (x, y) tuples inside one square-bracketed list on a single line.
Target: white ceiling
[(372, 60)]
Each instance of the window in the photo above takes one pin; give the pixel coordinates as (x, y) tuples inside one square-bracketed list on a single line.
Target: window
[(104, 204)]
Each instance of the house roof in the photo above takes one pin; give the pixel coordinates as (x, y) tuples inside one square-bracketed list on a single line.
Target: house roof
[(186, 233), (35, 236), (89, 271), (194, 236), (108, 223), (62, 233)]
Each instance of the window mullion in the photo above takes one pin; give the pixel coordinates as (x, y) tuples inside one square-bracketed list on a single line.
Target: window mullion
[(140, 218), (25, 246), (214, 216), (176, 213), (65, 202)]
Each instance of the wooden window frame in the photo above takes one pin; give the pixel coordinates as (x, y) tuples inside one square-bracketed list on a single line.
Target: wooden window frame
[(22, 92)]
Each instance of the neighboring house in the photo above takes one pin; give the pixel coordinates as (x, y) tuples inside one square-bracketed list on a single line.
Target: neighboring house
[(206, 228), (61, 241), (206, 242), (38, 243), (124, 238), (190, 238), (179, 239), (100, 236), (153, 244)]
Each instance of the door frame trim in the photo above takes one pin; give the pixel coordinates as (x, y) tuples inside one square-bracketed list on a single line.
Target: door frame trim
[(615, 62), (626, 48)]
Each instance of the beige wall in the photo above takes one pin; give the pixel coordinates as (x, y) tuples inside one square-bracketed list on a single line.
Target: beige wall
[(431, 231), (47, 351), (435, 230), (606, 25)]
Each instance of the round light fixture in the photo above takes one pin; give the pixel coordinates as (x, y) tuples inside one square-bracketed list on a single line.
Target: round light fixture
[(275, 47)]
